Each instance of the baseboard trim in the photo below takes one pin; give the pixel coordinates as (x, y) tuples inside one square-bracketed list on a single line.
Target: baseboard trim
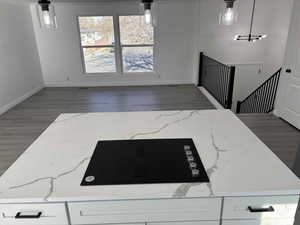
[(18, 100), (211, 98), (275, 113), (105, 84)]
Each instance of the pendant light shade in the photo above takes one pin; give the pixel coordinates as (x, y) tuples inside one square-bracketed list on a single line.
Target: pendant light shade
[(47, 14), (147, 10), (228, 14)]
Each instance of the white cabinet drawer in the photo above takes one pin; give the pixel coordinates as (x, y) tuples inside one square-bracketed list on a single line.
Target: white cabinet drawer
[(189, 223), (145, 211), (45, 214), (260, 207), (259, 222)]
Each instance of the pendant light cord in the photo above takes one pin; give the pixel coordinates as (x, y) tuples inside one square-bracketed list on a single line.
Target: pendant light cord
[(252, 17)]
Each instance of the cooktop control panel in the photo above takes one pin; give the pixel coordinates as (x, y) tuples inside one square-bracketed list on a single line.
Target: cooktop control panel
[(191, 159)]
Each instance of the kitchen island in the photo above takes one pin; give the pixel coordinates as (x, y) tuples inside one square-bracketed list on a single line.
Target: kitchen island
[(248, 184)]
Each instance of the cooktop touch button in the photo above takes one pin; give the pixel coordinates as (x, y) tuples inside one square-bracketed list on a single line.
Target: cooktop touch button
[(187, 147), (190, 158), (193, 165), (188, 153), (195, 172)]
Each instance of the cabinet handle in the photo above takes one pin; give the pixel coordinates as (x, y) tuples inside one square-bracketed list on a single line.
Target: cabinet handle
[(20, 216), (258, 210)]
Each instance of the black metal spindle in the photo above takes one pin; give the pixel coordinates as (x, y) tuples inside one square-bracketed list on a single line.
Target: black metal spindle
[(259, 99), (252, 103), (201, 62), (230, 86), (264, 98), (272, 102), (221, 81), (270, 92)]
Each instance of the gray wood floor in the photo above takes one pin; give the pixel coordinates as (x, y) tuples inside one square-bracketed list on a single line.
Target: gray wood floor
[(20, 126), (278, 135)]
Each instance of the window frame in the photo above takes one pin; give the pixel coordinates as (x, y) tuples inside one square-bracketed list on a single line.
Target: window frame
[(95, 46), (118, 48)]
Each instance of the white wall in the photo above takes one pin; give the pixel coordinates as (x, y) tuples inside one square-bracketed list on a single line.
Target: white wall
[(174, 34), (257, 61), (278, 34), (20, 74)]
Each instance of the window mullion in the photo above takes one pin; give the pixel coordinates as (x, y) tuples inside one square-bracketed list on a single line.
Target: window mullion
[(97, 46), (138, 45), (118, 46)]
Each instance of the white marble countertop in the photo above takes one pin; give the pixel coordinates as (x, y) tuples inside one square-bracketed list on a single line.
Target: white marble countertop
[(237, 162)]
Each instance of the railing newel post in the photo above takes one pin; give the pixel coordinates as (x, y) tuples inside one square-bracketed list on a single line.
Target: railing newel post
[(201, 68), (230, 87), (238, 107)]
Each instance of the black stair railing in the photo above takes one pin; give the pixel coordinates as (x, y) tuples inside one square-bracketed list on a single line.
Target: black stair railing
[(218, 79), (262, 99)]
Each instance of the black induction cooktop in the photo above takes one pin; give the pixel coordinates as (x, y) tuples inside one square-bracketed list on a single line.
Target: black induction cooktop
[(145, 162)]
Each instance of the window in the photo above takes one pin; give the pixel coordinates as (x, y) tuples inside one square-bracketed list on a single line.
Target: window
[(136, 43), (98, 45), (126, 47)]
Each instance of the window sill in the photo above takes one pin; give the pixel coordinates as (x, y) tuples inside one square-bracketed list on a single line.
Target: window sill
[(103, 74), (152, 74)]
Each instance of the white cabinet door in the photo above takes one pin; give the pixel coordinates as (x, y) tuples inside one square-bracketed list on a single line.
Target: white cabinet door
[(288, 106), (259, 222), (188, 223)]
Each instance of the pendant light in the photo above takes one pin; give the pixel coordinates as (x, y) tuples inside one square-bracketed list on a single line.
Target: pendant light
[(147, 10), (251, 37), (47, 14), (228, 14)]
